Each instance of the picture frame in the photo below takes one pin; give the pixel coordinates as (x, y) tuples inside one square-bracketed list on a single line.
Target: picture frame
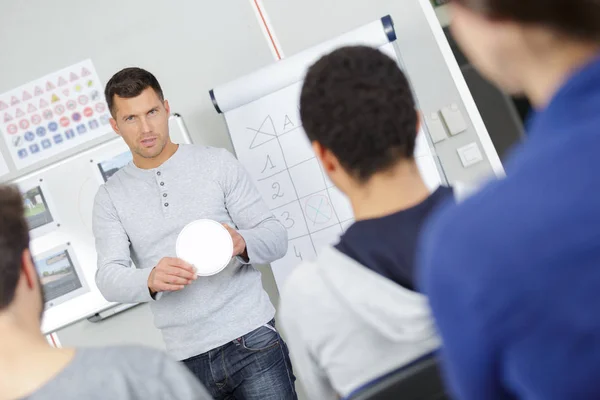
[(40, 210), (110, 166), (109, 162), (61, 276)]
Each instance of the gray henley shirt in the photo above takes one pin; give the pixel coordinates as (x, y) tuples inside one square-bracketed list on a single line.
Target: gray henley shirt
[(138, 215)]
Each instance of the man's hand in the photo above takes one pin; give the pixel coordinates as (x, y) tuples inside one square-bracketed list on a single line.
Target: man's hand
[(239, 244), (171, 275)]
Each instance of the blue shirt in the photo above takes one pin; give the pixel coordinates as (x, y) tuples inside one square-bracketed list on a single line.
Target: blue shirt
[(388, 245), (513, 273)]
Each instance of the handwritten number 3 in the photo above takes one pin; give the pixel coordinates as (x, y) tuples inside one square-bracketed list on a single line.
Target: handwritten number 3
[(286, 216)]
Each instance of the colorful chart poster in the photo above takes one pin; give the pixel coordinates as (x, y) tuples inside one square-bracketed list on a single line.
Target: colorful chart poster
[(57, 112)]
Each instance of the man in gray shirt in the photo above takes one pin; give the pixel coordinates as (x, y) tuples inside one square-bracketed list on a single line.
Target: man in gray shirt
[(30, 368), (220, 326)]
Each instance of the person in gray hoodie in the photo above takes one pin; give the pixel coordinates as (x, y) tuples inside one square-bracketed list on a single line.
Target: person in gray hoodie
[(355, 314)]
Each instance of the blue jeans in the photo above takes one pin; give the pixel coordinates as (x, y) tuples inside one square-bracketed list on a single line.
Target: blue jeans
[(254, 366)]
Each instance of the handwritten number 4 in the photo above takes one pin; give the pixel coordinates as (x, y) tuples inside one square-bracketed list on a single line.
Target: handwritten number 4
[(298, 254)]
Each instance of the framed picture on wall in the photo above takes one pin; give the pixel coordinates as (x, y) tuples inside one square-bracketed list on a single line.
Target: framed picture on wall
[(39, 208), (60, 275), (106, 167)]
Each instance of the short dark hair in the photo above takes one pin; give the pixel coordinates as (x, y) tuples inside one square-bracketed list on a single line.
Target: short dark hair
[(357, 103), (128, 83), (578, 19), (14, 239)]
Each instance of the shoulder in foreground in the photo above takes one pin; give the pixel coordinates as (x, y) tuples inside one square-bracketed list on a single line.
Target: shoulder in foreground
[(130, 355), (302, 280), (477, 215), (479, 235), (150, 369), (137, 362)]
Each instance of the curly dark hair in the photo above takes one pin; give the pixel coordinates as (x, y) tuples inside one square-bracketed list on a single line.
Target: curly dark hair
[(357, 103), (129, 83), (14, 239)]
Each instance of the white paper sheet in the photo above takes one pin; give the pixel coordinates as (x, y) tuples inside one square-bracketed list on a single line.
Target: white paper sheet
[(290, 70)]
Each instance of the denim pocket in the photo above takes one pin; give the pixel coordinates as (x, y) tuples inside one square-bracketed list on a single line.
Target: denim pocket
[(261, 339)]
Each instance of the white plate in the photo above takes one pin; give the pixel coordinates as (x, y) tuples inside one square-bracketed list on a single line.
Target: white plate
[(206, 245)]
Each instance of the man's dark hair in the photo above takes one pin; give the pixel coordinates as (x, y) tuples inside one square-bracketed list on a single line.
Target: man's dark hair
[(579, 19), (14, 239), (128, 83), (357, 103)]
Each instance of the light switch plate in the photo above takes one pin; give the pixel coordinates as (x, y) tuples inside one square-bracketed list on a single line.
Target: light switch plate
[(470, 154), (455, 121), (437, 131)]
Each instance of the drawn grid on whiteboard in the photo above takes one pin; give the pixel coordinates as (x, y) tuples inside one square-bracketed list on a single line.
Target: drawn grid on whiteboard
[(270, 142)]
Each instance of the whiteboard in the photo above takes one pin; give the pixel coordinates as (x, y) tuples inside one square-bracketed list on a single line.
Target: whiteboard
[(62, 203), (262, 115)]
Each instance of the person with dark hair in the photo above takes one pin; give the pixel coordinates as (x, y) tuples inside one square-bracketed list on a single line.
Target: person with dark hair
[(513, 273), (31, 369), (354, 314), (221, 326)]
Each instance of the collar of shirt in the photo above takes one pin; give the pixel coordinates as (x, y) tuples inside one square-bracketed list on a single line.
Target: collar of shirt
[(146, 173)]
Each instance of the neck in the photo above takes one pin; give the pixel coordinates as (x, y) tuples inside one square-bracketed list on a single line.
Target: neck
[(15, 330), (155, 162), (548, 74), (389, 192), (27, 361)]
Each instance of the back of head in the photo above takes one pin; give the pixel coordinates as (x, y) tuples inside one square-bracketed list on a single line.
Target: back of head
[(14, 239), (576, 19), (129, 83), (357, 103)]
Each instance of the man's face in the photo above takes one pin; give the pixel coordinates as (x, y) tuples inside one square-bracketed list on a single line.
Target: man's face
[(143, 122)]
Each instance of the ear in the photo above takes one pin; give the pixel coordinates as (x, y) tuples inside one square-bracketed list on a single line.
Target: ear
[(28, 269), (319, 151), (167, 107), (113, 124), (328, 160)]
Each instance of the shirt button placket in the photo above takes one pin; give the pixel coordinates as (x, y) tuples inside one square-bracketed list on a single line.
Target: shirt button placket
[(163, 190)]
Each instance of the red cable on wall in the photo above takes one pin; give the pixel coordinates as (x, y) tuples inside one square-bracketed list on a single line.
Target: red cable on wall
[(264, 21)]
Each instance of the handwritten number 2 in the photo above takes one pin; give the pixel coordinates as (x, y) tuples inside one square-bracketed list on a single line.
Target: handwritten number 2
[(277, 187)]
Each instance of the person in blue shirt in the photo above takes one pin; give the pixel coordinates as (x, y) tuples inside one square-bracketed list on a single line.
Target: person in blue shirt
[(513, 272)]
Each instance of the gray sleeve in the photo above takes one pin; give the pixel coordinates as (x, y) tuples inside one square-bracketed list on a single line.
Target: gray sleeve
[(179, 383), (116, 278), (293, 322), (266, 237)]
